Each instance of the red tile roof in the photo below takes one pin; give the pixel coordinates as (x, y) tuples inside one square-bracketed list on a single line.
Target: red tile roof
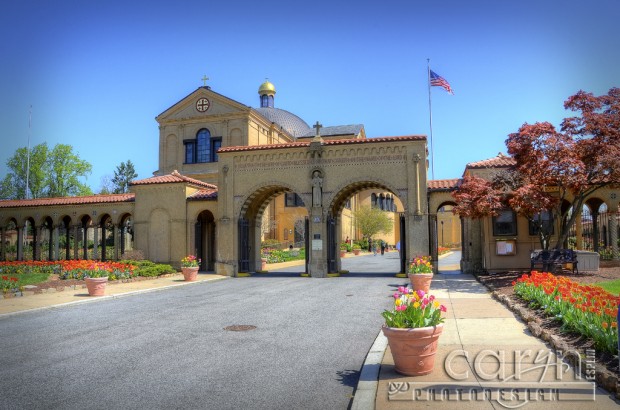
[(325, 143), (172, 178), (68, 200), (442, 184), (204, 194), (500, 161)]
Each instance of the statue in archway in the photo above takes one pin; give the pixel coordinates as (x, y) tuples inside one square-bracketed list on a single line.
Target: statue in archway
[(317, 188)]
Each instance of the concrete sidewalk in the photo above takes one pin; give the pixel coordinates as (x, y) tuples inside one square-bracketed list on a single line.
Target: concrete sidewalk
[(79, 294), (484, 350)]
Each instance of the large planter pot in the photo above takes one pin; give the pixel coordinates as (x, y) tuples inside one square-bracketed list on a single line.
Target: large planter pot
[(96, 286), (263, 264), (190, 274), (343, 253), (413, 350), (356, 251), (421, 281)]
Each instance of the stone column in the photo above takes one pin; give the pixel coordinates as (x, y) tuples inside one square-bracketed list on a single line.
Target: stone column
[(20, 242), (76, 242), (56, 241), (95, 241), (36, 243), (2, 247), (613, 228), (578, 233), (115, 234), (595, 231)]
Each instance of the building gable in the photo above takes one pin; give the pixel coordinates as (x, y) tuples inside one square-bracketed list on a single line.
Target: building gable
[(198, 105)]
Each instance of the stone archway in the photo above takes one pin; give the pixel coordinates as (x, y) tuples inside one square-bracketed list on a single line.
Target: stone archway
[(250, 221), (323, 173)]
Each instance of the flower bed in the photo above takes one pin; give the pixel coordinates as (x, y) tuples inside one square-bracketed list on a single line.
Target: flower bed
[(583, 309)]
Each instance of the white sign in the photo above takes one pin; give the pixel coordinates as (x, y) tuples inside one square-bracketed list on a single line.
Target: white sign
[(317, 245)]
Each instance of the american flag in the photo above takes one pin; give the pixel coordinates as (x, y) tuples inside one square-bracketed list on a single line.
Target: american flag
[(439, 81)]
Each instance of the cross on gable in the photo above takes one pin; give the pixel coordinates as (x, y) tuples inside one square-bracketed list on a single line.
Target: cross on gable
[(204, 80), (318, 127)]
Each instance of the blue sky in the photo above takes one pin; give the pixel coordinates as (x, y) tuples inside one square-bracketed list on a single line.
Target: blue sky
[(98, 73)]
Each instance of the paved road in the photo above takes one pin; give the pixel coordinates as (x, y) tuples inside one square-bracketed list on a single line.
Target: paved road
[(169, 349)]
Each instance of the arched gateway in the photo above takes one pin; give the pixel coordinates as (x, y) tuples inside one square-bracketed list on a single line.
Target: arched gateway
[(229, 176), (325, 174)]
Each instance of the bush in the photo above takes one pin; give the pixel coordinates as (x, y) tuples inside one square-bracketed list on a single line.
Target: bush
[(270, 243), (155, 270)]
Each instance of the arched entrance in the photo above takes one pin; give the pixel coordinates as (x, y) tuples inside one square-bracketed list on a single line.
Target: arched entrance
[(273, 218), (204, 240), (353, 197)]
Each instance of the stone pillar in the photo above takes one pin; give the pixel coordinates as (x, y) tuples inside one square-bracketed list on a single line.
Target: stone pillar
[(56, 240), (595, 231), (2, 246), (115, 233), (36, 243), (578, 233), (95, 241), (20, 242), (318, 244), (613, 228), (76, 242)]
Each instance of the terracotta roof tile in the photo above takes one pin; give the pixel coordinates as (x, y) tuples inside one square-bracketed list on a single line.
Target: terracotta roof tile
[(442, 184), (172, 178), (325, 143), (68, 200), (204, 194), (500, 161)]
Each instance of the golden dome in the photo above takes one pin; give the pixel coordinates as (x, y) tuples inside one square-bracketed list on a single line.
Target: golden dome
[(266, 88)]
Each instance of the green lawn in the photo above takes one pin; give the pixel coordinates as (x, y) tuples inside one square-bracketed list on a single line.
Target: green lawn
[(612, 286)]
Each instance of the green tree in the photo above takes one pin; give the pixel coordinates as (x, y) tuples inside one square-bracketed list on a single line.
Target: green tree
[(13, 185), (65, 170), (123, 175), (372, 221)]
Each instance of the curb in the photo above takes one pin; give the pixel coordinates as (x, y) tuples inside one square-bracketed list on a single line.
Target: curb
[(365, 394), (106, 297)]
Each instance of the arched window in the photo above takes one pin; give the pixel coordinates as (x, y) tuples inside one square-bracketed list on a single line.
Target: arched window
[(382, 202), (203, 146), (373, 200)]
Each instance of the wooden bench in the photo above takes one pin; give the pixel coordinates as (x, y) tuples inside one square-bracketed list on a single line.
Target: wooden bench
[(554, 260)]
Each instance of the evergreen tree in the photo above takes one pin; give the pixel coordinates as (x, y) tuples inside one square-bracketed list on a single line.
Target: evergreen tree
[(123, 175)]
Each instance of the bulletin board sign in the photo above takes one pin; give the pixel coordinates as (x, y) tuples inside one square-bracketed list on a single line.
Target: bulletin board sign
[(506, 247)]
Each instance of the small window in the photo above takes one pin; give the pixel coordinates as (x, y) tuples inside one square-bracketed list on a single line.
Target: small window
[(542, 220), (216, 143), (505, 223), (190, 151)]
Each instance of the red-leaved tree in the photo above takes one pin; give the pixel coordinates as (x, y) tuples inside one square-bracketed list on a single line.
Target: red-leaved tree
[(554, 171)]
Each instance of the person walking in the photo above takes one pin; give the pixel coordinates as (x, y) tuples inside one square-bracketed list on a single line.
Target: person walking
[(374, 248), (382, 247)]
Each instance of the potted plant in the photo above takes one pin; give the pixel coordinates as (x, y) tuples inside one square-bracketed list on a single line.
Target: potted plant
[(356, 248), (412, 328), (189, 267), (96, 280), (343, 249), (421, 273)]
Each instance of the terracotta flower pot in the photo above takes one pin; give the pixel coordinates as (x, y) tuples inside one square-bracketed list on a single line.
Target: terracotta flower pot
[(356, 251), (421, 281), (263, 264), (413, 350), (96, 286), (190, 274)]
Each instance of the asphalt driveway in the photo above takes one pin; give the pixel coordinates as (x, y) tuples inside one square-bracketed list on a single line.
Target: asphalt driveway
[(169, 349)]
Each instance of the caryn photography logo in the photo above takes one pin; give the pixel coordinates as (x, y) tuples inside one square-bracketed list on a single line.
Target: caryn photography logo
[(510, 378)]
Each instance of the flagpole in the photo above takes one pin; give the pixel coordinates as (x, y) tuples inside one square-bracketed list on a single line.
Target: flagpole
[(430, 116), (28, 152)]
